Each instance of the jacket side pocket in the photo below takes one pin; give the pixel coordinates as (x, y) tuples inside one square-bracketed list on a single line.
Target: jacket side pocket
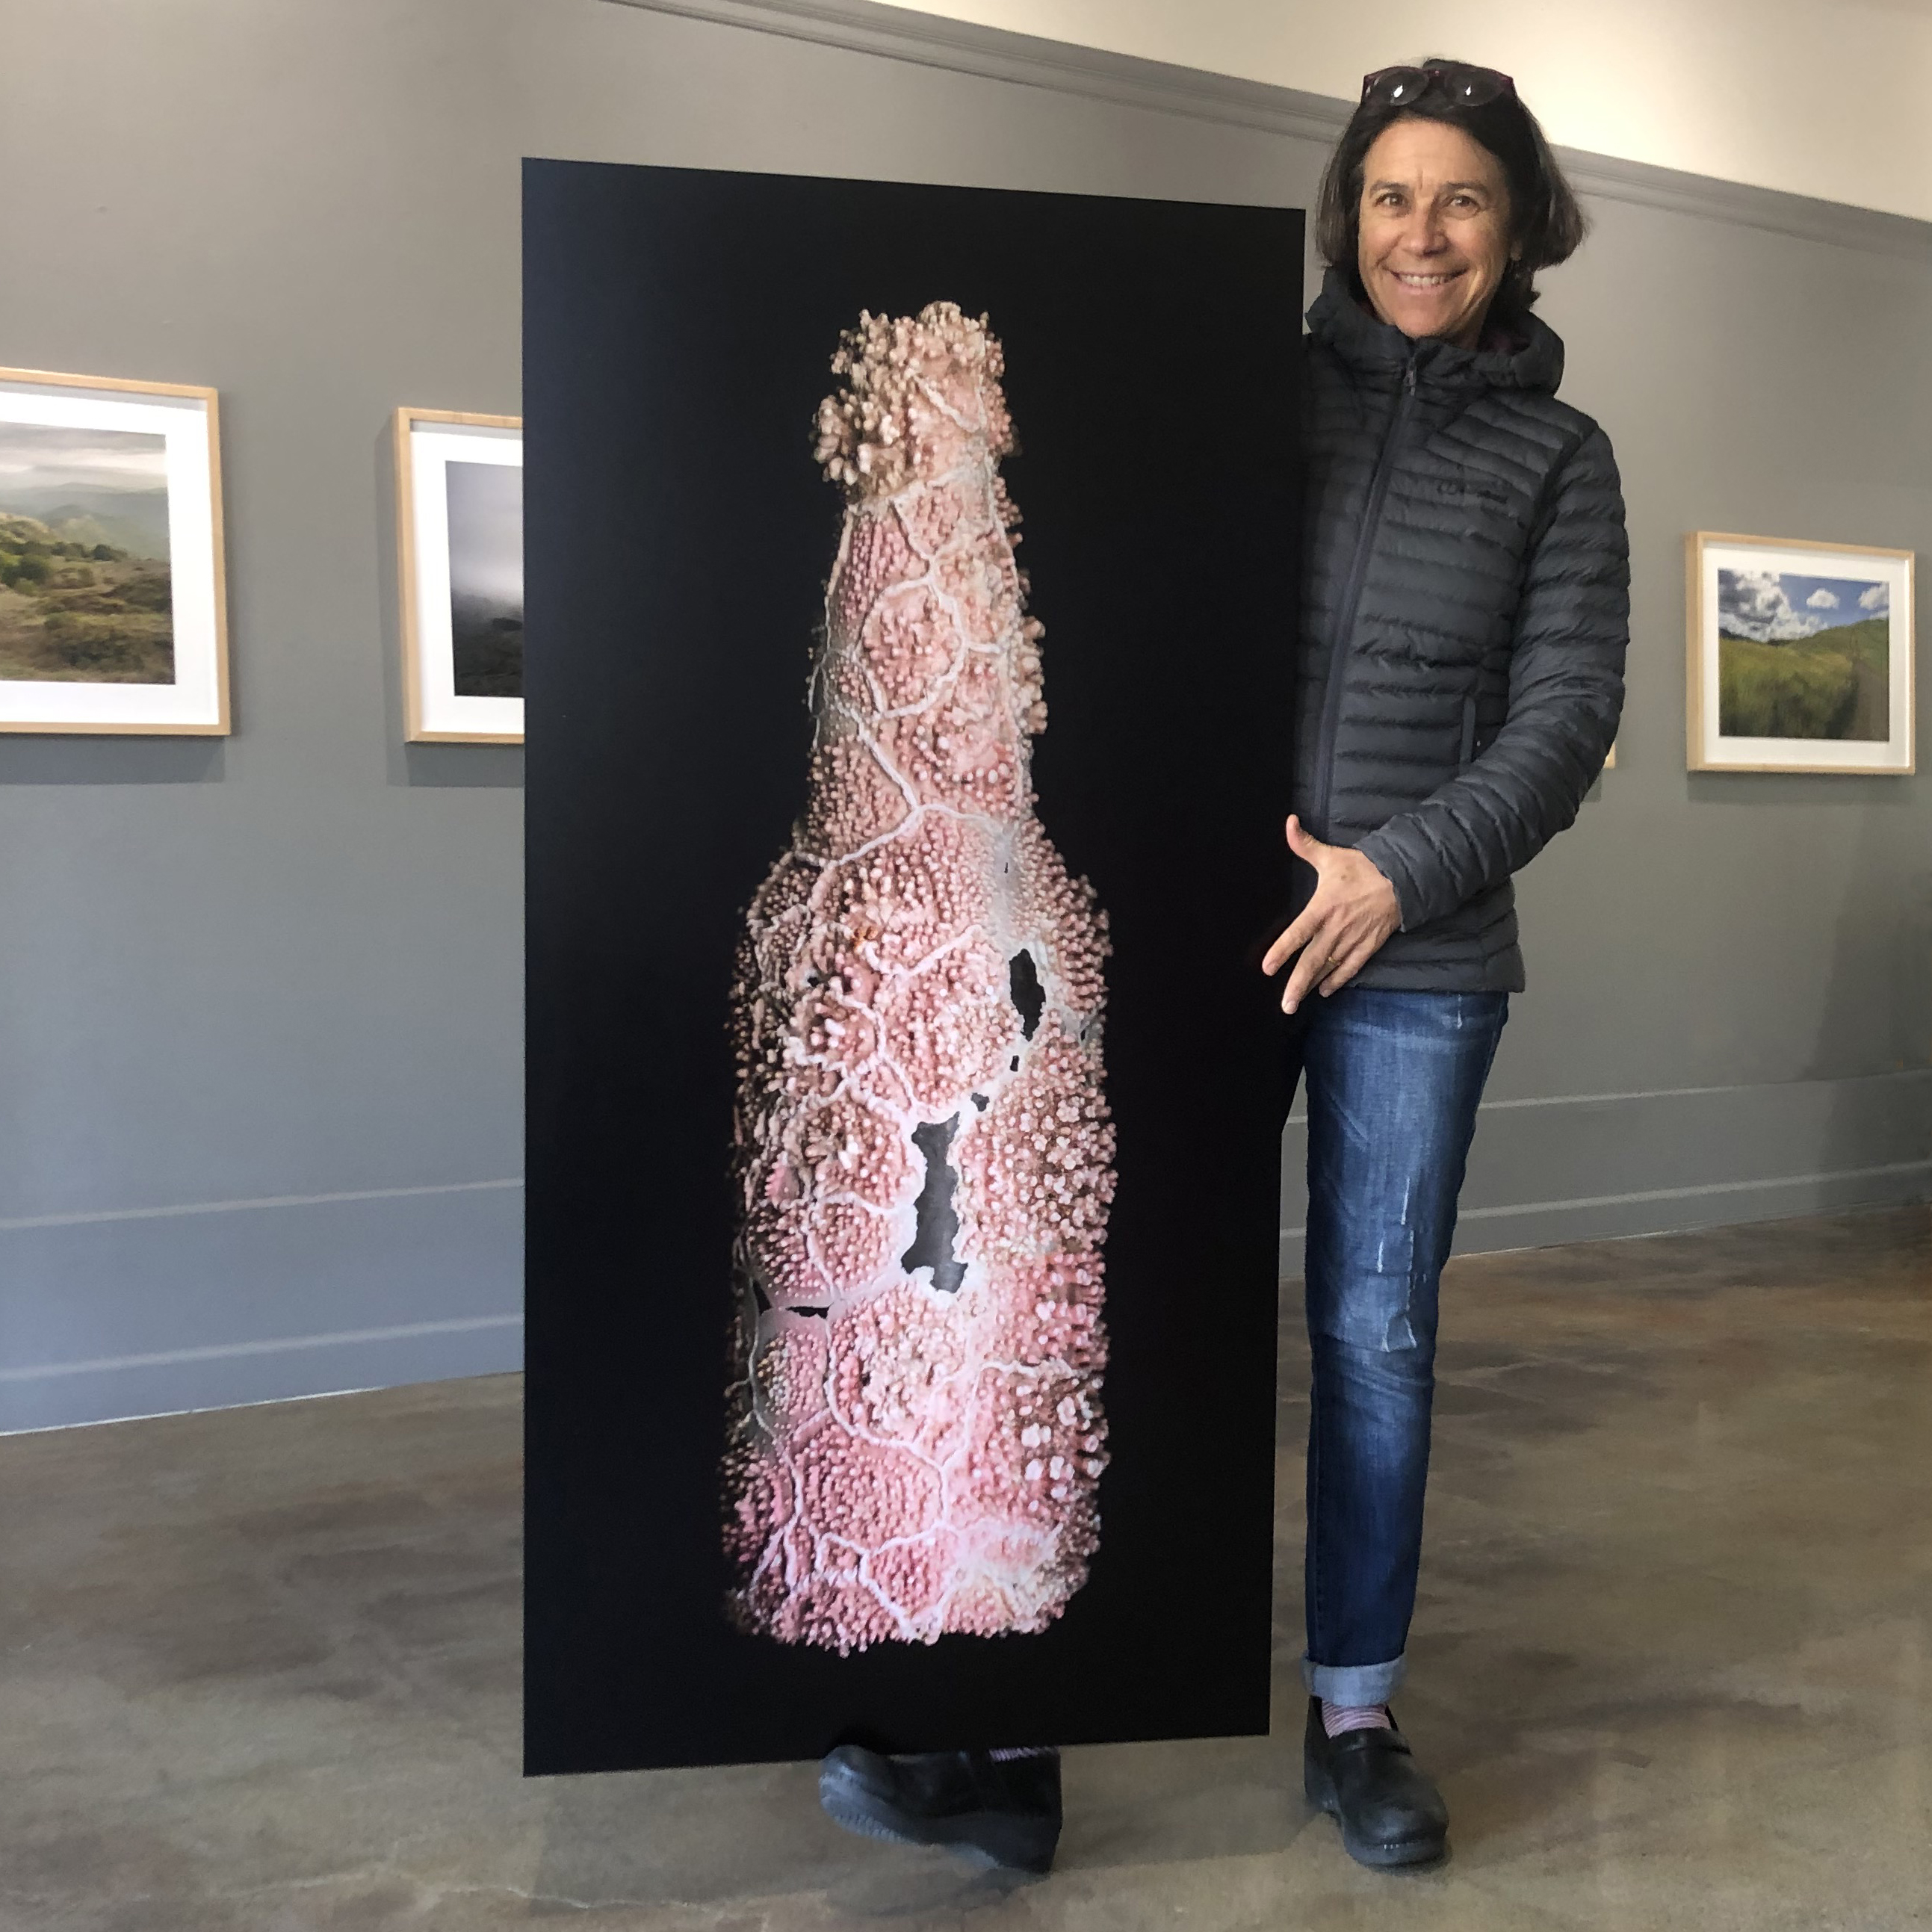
[(1468, 750)]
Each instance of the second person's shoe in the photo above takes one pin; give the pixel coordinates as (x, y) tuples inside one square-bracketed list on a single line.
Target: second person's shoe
[(1002, 1811)]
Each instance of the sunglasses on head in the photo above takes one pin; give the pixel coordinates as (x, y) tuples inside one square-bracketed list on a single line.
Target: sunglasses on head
[(1463, 86)]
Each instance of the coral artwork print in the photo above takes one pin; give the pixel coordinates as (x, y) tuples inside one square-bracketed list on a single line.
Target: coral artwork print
[(923, 1156)]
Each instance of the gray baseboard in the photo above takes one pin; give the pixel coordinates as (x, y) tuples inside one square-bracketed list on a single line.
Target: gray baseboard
[(1595, 1167), (212, 1305), (317, 1280)]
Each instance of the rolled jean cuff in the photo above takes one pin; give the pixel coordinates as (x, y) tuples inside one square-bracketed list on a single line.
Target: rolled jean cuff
[(1355, 1685)]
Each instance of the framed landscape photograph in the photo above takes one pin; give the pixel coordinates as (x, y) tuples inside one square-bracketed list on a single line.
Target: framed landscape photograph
[(1800, 655), (460, 544), (112, 609)]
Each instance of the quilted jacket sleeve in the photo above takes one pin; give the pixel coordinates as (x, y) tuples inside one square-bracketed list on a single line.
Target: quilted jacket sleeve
[(1566, 691)]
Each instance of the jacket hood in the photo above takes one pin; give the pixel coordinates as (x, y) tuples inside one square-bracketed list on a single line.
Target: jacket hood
[(1533, 359)]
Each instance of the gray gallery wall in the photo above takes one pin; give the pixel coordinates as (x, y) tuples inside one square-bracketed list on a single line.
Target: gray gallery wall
[(259, 1075)]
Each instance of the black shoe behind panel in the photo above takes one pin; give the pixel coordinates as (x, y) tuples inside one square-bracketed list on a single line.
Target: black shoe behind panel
[(1005, 1811)]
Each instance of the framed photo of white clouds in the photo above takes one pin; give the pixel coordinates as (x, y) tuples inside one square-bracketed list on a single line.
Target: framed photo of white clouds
[(1800, 655), (112, 612), (460, 549)]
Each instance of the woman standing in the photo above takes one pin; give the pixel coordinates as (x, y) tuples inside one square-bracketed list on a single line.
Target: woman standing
[(1465, 613), (1466, 610)]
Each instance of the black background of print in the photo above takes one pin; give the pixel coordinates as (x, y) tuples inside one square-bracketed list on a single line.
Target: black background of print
[(677, 328)]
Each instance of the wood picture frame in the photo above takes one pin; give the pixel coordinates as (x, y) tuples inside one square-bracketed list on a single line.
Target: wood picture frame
[(113, 588), (454, 682), (1811, 644)]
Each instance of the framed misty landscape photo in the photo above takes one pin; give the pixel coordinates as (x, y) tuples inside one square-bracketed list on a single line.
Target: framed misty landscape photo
[(459, 548), (1800, 655), (112, 607)]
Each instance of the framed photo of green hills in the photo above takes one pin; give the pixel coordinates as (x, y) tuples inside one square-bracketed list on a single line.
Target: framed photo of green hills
[(1800, 655), (112, 609)]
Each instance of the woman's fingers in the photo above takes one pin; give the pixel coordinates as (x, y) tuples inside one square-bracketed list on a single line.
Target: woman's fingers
[(1291, 942), (1317, 957), (1352, 912), (1333, 955), (1342, 974)]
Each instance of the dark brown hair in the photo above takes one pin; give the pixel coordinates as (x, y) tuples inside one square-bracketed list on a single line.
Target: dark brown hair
[(1546, 223)]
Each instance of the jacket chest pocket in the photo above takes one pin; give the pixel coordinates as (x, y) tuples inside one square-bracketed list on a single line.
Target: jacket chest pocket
[(1466, 753), (1491, 512)]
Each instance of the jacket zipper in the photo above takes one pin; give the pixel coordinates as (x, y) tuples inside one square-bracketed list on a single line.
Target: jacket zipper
[(1358, 571)]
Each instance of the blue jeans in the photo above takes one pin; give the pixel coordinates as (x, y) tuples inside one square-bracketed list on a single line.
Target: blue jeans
[(1393, 1079)]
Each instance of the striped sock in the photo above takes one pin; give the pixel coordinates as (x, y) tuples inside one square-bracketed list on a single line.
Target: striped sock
[(1337, 1718)]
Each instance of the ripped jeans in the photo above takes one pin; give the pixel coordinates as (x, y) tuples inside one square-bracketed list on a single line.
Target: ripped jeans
[(1393, 1079)]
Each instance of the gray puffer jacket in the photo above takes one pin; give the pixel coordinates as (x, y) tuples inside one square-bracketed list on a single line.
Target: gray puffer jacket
[(1465, 609)]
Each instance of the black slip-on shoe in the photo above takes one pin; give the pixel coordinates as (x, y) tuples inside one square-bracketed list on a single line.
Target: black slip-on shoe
[(1390, 1814), (1002, 1811)]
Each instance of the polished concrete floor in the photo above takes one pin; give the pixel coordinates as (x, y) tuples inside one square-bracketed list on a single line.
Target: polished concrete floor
[(1672, 1662)]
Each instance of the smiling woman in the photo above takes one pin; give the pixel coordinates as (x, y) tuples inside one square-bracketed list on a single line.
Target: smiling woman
[(1465, 612), (1442, 200), (1434, 231)]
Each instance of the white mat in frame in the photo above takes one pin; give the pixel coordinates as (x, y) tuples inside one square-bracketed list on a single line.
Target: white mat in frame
[(93, 453), (428, 442)]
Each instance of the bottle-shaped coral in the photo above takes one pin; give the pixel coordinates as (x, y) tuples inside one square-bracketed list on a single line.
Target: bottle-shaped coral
[(923, 1154)]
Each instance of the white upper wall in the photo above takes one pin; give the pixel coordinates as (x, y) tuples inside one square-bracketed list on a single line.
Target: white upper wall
[(1826, 98)]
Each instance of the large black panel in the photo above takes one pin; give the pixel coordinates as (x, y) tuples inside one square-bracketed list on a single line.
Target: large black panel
[(678, 327)]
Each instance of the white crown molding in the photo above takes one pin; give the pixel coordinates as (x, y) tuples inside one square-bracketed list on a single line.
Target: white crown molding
[(991, 53)]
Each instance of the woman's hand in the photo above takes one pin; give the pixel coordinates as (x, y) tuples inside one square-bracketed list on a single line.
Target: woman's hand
[(1341, 928)]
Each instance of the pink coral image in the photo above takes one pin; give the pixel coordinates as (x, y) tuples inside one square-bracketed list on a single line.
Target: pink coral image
[(923, 1154)]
